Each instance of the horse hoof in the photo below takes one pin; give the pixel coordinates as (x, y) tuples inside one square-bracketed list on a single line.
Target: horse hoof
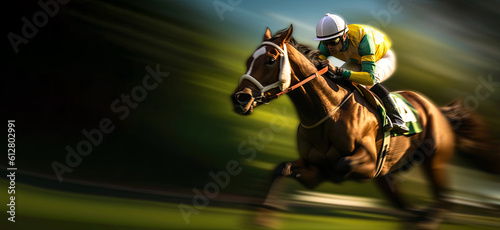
[(417, 214), (428, 224), (344, 165), (266, 219), (428, 219)]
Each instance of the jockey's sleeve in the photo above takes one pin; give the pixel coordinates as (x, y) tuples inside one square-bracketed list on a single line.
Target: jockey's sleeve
[(366, 51), (324, 51)]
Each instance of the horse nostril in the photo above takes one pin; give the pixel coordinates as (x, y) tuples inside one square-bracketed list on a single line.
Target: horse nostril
[(243, 98)]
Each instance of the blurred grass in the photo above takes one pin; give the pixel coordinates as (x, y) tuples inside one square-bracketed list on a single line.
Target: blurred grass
[(65, 210)]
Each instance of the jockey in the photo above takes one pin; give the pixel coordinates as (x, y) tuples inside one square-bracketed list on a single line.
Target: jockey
[(369, 59)]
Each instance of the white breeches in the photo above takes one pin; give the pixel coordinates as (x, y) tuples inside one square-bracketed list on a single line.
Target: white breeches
[(384, 68)]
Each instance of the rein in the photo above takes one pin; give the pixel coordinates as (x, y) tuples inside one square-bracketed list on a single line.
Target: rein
[(299, 84), (284, 78)]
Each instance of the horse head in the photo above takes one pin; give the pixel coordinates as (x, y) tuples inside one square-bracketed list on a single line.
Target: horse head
[(268, 73)]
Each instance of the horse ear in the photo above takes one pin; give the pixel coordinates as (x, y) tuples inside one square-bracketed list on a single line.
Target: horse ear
[(267, 35), (287, 35)]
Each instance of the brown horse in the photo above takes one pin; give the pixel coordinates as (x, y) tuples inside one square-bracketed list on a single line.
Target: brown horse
[(340, 135)]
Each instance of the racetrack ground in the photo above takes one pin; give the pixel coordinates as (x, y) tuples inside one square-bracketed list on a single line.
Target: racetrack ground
[(50, 209)]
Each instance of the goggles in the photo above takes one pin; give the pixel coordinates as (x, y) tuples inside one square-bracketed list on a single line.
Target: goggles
[(331, 42)]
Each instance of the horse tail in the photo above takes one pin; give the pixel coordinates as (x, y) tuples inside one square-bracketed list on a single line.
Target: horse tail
[(472, 136)]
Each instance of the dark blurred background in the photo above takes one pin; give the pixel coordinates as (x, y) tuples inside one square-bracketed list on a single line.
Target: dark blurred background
[(65, 79)]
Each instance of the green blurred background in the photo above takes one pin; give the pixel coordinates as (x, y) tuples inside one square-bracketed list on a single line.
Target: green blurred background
[(66, 77)]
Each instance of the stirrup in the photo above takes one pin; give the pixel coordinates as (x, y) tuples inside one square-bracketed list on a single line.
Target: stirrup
[(388, 127), (400, 129)]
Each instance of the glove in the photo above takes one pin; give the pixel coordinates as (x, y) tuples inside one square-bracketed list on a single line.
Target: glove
[(334, 72)]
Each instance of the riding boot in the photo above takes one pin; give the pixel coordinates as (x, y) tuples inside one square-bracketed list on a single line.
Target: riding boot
[(398, 125)]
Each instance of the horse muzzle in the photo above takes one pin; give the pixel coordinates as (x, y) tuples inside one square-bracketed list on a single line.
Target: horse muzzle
[(243, 101)]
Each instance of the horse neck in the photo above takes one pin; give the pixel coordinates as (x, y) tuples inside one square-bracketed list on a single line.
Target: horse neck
[(315, 99)]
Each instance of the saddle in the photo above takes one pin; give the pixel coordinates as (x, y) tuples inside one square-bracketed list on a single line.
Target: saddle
[(407, 111)]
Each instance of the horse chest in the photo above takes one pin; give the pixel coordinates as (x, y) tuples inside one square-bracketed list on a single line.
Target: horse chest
[(321, 151), (327, 144)]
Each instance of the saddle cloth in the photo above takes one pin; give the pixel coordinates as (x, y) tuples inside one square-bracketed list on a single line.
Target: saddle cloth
[(408, 113)]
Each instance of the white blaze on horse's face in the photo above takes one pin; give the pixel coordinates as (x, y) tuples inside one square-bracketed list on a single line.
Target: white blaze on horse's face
[(284, 78), (261, 51)]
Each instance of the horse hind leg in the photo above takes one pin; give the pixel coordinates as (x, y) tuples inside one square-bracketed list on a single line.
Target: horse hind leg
[(435, 153), (388, 185), (436, 171)]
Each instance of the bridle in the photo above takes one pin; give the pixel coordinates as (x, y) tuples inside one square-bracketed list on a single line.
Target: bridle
[(284, 83), (284, 79)]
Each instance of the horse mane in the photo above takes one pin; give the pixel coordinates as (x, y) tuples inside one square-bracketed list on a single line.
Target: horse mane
[(311, 54)]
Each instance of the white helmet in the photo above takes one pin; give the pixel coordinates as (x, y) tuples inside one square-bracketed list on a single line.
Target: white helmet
[(329, 27)]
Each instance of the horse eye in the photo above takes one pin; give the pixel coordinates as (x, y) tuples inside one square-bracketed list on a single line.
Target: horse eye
[(270, 61)]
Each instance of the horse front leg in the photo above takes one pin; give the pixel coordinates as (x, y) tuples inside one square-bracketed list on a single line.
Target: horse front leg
[(361, 165), (307, 174), (268, 209)]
